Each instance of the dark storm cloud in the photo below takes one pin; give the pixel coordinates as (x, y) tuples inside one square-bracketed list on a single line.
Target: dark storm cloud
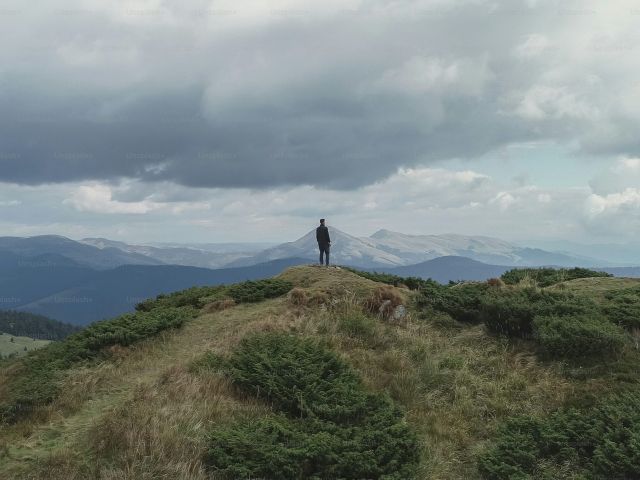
[(286, 97)]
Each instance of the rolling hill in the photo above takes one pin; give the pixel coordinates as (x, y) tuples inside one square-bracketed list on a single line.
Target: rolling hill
[(445, 269), (320, 382), (80, 296)]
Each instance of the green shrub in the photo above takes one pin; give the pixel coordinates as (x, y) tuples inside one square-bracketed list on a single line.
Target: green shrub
[(299, 377), (511, 312), (602, 441), (328, 426), (461, 301), (195, 297), (545, 277), (198, 297), (578, 336), (413, 283), (256, 291), (271, 447), (623, 307)]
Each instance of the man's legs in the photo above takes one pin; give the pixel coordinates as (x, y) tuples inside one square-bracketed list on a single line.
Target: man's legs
[(324, 254)]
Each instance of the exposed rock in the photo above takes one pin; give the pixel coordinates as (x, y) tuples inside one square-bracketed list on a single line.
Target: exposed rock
[(399, 313)]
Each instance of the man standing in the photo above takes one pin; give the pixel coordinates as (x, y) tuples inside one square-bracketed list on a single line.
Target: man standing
[(324, 242)]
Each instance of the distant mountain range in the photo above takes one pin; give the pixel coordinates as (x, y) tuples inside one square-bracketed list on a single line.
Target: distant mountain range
[(80, 282), (80, 295), (450, 268), (61, 249), (386, 249), (383, 249), (205, 256)]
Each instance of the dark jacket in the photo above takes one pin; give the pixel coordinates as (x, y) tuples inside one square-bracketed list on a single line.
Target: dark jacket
[(322, 235)]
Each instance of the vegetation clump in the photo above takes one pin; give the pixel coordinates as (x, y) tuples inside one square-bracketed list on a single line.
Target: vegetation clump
[(581, 336), (601, 441), (412, 283), (461, 301), (622, 307), (256, 291), (326, 425), (545, 277), (512, 312), (197, 297)]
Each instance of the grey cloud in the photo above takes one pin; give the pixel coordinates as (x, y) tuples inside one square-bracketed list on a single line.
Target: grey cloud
[(222, 102)]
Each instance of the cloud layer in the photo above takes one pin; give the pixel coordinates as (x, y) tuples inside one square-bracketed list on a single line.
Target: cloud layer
[(337, 94)]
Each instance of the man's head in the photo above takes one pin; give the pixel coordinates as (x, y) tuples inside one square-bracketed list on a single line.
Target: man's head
[(322, 221)]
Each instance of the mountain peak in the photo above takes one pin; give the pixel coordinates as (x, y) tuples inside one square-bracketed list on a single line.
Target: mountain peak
[(384, 233)]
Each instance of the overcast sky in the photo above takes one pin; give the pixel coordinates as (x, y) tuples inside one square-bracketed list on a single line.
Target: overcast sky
[(242, 120)]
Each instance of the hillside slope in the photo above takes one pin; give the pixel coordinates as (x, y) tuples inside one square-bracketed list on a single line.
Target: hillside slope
[(80, 295), (445, 269), (13, 345), (152, 409)]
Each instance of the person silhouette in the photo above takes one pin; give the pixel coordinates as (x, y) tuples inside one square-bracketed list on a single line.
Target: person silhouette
[(324, 242)]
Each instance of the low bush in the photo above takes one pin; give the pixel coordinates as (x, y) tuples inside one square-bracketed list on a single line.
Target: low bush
[(623, 307), (413, 283), (578, 336), (511, 312), (327, 426), (198, 297), (297, 376), (256, 291), (545, 277), (195, 297), (601, 441), (461, 301)]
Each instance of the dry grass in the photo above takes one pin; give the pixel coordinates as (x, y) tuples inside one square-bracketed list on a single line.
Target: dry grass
[(145, 414), (218, 305), (383, 301), (298, 297)]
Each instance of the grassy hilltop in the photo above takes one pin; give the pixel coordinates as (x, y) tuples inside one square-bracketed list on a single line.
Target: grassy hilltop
[(319, 373)]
